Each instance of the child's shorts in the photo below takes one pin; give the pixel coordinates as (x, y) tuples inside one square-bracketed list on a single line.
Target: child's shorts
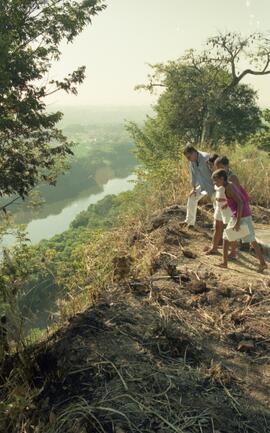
[(223, 215), (251, 237), (249, 223)]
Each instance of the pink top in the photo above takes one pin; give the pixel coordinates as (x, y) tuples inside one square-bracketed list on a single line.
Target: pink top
[(233, 205), (245, 194)]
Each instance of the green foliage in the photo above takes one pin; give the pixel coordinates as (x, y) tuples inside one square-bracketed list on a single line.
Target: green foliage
[(105, 214), (101, 153), (202, 97), (32, 148), (25, 282), (181, 110), (261, 138)]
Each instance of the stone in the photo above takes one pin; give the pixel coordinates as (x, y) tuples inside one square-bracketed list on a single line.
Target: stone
[(189, 254), (198, 287), (246, 346)]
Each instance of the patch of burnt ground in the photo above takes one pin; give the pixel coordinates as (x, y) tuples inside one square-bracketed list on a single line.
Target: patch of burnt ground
[(185, 349)]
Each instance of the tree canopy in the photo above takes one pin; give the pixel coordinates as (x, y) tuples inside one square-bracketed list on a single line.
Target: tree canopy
[(203, 98), (31, 146)]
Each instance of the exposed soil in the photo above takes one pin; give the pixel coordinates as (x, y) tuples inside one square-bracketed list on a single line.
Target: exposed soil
[(185, 349)]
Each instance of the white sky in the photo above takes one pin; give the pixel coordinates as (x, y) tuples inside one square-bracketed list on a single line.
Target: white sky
[(131, 33)]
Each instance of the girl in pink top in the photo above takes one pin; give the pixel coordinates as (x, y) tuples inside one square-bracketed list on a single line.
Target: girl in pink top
[(238, 203)]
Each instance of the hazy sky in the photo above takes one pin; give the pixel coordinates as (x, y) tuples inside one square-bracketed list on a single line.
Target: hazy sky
[(131, 33)]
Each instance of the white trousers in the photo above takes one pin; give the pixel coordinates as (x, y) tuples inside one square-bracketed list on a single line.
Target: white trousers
[(192, 205)]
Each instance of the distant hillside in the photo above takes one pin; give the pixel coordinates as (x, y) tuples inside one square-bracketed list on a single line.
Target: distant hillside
[(102, 114)]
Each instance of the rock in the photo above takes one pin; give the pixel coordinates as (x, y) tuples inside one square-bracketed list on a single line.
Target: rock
[(139, 287), (172, 271), (157, 222), (237, 317), (122, 266), (189, 254), (167, 214), (183, 276), (225, 292), (246, 346), (162, 261), (213, 297), (175, 209), (198, 286), (171, 239)]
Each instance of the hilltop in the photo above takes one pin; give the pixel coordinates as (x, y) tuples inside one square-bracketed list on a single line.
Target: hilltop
[(183, 349)]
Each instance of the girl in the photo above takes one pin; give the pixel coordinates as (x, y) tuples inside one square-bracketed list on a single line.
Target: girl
[(238, 203), (222, 214)]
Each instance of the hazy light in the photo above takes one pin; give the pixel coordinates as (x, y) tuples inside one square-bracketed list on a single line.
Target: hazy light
[(128, 36)]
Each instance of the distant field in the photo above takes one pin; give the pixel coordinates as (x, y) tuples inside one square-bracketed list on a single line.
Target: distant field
[(85, 115)]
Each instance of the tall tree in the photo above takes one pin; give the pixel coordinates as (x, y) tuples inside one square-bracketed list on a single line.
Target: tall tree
[(180, 111), (203, 92), (31, 146)]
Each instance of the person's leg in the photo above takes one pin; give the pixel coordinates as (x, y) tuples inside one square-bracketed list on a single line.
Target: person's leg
[(226, 217), (259, 255), (218, 230), (234, 250), (224, 264), (192, 205), (218, 233), (251, 238)]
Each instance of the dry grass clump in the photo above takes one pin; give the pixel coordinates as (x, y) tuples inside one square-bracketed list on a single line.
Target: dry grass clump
[(170, 183), (252, 166), (158, 352)]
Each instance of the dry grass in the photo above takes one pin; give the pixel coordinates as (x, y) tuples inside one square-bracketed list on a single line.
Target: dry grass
[(146, 394), (158, 351)]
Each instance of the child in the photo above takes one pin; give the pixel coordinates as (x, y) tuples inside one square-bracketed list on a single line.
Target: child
[(218, 224), (238, 203), (223, 213), (223, 163), (211, 161)]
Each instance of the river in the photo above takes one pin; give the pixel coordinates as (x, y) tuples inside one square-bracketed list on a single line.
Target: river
[(45, 228)]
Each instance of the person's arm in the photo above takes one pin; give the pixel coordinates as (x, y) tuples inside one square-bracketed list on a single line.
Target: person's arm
[(193, 178), (234, 179), (230, 192)]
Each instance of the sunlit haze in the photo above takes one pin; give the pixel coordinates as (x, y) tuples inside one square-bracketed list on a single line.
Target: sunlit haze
[(129, 34)]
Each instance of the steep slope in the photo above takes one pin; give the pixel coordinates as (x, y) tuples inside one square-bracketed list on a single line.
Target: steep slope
[(183, 349)]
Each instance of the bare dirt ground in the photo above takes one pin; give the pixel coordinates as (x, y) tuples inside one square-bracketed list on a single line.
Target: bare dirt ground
[(183, 349)]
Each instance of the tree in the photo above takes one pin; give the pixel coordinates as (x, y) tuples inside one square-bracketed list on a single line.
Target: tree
[(31, 146), (261, 138), (180, 111), (230, 51), (203, 96)]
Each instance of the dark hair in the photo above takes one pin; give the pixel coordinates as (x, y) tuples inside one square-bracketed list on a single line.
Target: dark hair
[(220, 173), (222, 160), (189, 149), (213, 157)]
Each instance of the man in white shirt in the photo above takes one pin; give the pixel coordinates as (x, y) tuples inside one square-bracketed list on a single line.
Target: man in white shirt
[(201, 178)]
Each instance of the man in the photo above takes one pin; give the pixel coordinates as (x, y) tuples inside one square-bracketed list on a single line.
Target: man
[(201, 177)]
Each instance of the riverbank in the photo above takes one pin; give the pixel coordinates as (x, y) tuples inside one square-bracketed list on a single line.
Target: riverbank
[(45, 228)]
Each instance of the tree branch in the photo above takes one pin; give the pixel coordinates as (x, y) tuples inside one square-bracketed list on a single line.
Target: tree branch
[(3, 208)]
